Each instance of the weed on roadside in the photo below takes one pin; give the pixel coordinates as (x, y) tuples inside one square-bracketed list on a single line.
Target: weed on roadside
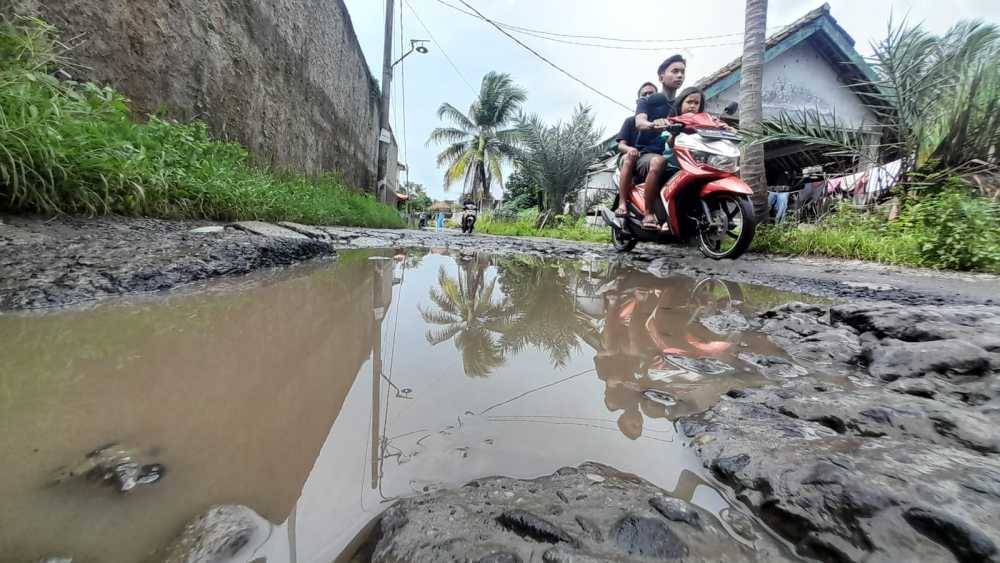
[(68, 147)]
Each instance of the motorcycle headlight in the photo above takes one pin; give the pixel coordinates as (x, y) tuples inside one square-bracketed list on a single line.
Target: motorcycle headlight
[(724, 163), (700, 156)]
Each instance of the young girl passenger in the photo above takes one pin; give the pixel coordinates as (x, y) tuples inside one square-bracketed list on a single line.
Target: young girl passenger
[(690, 100)]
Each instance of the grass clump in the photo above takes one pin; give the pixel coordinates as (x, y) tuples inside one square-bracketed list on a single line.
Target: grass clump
[(947, 228), (68, 147), (559, 226)]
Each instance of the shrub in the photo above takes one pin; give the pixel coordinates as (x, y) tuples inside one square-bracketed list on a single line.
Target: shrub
[(68, 147), (953, 229), (949, 228)]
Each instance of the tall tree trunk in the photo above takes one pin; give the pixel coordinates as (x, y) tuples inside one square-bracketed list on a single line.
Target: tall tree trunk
[(751, 102)]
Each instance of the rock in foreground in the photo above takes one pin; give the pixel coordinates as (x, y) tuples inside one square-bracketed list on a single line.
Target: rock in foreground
[(586, 514), (898, 462)]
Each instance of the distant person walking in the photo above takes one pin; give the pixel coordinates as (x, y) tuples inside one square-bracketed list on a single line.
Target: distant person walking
[(440, 220)]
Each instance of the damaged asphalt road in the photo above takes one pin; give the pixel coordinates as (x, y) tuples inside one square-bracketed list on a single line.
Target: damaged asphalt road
[(897, 460), (70, 260)]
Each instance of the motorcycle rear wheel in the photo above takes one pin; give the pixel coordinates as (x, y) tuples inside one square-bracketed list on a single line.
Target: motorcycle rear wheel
[(731, 228)]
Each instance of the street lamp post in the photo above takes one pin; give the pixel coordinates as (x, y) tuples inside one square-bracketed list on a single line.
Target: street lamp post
[(384, 138)]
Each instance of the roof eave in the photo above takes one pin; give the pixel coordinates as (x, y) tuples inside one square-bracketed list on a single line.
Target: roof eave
[(823, 28)]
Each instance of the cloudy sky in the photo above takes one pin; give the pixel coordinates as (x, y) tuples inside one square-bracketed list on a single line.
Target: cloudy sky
[(706, 32)]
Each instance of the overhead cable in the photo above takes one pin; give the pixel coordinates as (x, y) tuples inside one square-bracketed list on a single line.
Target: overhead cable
[(596, 37), (443, 52), (543, 58)]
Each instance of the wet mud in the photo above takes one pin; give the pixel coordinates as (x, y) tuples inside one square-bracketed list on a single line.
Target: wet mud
[(782, 426), (55, 262)]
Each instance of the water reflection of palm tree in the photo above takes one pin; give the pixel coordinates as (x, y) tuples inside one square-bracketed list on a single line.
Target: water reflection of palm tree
[(469, 314), (547, 316)]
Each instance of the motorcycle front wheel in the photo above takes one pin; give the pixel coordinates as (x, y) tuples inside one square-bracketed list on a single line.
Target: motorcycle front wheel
[(621, 240), (729, 227)]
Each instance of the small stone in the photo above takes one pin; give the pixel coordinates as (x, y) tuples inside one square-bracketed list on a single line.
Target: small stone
[(677, 510), (647, 538), (727, 467), (772, 366), (591, 528), (220, 534), (740, 524), (502, 557), (966, 543), (208, 229), (595, 477), (562, 555)]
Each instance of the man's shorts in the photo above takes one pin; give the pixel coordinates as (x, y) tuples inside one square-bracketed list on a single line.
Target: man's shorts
[(642, 165)]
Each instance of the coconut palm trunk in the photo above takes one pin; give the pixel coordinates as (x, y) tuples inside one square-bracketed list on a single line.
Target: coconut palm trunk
[(751, 101)]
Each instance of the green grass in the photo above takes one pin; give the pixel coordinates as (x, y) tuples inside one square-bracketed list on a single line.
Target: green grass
[(68, 147), (948, 228), (843, 235), (524, 226)]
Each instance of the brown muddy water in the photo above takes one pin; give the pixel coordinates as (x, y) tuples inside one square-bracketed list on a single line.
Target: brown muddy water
[(319, 395)]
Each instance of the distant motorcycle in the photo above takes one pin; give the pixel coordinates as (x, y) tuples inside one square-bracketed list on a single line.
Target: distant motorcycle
[(422, 221), (468, 219)]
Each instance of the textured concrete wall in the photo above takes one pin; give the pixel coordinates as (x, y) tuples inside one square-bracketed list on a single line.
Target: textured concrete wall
[(286, 78), (801, 79)]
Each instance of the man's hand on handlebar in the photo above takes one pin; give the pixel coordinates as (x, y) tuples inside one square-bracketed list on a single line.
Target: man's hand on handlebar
[(660, 123)]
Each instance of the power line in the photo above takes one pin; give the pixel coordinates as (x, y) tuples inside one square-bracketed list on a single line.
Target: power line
[(529, 30), (622, 48), (443, 52), (540, 56)]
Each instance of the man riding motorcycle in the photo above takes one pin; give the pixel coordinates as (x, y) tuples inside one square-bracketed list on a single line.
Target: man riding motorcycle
[(651, 119), (628, 154), (468, 219)]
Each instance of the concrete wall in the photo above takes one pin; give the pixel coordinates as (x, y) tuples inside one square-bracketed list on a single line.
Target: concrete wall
[(286, 78), (800, 79)]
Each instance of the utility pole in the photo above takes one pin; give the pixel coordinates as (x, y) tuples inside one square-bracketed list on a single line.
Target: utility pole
[(383, 142), (751, 101)]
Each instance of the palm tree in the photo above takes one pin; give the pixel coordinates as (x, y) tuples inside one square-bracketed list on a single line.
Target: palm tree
[(477, 143), (556, 157), (468, 313), (751, 101), (545, 312)]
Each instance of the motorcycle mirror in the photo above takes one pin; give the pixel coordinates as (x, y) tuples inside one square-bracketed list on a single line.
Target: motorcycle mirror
[(732, 108)]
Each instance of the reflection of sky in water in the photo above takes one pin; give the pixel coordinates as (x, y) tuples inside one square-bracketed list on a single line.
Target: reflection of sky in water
[(527, 418), (563, 364)]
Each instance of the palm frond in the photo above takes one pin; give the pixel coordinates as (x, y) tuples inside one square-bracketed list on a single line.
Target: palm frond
[(450, 113), (449, 135)]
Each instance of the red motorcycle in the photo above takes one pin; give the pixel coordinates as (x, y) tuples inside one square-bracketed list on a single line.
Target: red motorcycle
[(704, 199)]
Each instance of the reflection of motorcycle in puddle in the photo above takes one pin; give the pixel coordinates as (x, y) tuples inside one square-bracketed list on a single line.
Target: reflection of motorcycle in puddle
[(657, 358)]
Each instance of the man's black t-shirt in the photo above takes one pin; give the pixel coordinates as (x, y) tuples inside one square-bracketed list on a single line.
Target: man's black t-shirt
[(657, 106), (628, 132)]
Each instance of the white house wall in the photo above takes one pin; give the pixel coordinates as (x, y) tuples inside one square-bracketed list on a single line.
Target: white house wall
[(801, 79)]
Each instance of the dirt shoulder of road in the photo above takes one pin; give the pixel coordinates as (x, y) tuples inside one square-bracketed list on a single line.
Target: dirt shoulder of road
[(54, 262)]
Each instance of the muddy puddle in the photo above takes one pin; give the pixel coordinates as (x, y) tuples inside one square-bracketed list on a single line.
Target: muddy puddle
[(318, 396)]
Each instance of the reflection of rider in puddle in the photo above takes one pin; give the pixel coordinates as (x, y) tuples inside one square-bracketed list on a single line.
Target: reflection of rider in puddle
[(646, 329)]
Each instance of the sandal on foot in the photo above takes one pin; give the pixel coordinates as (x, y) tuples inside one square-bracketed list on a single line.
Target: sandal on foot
[(650, 224), (621, 212)]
